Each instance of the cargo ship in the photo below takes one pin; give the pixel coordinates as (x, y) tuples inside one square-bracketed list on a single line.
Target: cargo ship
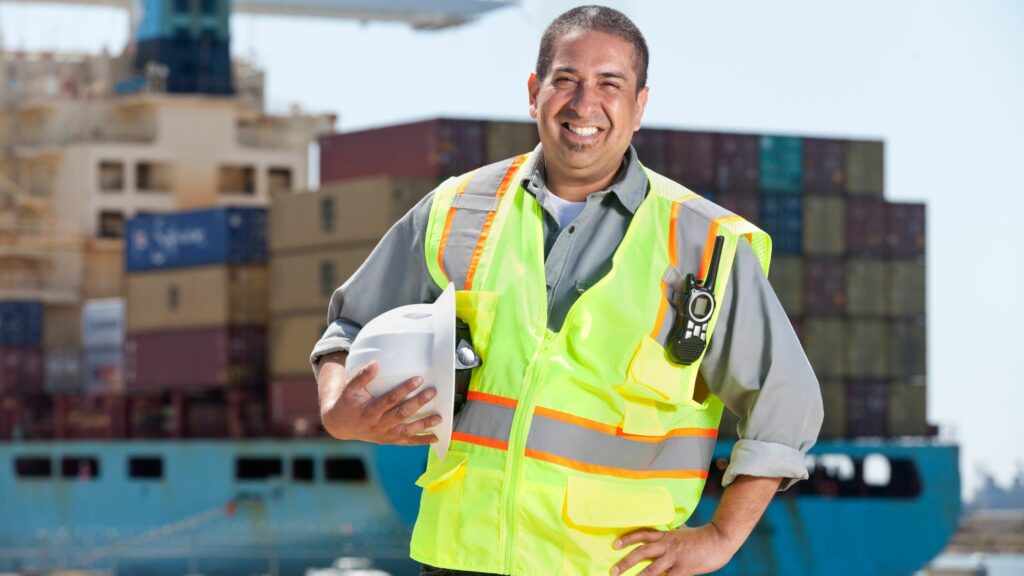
[(164, 273)]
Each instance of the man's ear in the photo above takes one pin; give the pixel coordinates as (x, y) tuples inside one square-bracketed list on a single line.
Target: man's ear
[(641, 105), (533, 87)]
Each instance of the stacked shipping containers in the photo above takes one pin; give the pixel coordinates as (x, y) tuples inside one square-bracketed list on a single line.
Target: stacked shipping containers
[(196, 315), (22, 373)]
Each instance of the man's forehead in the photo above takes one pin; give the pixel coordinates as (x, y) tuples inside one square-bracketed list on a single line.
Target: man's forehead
[(615, 54)]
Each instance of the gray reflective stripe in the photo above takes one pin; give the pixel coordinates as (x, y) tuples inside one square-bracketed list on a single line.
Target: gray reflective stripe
[(468, 223), (481, 203), (600, 449), (484, 420)]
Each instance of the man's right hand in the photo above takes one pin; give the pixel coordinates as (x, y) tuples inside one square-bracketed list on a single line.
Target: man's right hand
[(349, 412)]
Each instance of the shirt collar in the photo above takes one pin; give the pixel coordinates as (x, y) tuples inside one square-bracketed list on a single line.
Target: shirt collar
[(629, 186)]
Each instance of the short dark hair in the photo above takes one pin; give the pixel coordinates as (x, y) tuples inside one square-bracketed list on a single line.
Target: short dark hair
[(593, 19)]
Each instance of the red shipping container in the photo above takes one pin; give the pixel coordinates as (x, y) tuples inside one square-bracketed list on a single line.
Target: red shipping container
[(429, 149), (196, 359), (906, 230), (692, 159), (738, 163), (148, 416), (26, 418), (653, 148), (746, 205), (824, 166), (824, 286), (21, 370), (866, 227), (82, 417), (867, 408), (294, 406)]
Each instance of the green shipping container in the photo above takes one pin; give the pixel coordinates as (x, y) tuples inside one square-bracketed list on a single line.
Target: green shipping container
[(833, 397), (907, 347), (786, 276), (908, 406), (864, 276), (825, 344), (865, 174), (867, 348), (905, 288), (824, 225)]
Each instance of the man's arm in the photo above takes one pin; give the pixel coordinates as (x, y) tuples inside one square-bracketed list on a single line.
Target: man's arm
[(706, 548)]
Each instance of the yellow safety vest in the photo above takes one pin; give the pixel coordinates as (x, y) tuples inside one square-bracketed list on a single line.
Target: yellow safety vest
[(568, 439)]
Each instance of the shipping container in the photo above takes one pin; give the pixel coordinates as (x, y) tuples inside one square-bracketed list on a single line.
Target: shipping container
[(781, 164), (865, 175), (833, 399), (103, 269), (737, 160), (746, 205), (907, 347), (103, 370), (824, 225), (212, 236), (294, 406), (434, 149), (786, 275), (195, 359), (692, 159), (908, 404), (866, 223), (62, 326), (824, 170), (192, 298), (103, 324), (86, 417), (824, 285), (825, 345), (21, 370), (291, 341), (867, 347), (26, 417), (21, 323), (866, 281), (149, 416), (355, 211), (905, 288), (653, 148), (303, 282), (867, 407), (782, 218), (906, 230), (509, 139), (63, 369)]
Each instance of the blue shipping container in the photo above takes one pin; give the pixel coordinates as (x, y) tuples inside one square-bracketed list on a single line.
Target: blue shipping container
[(782, 161), (782, 219), (21, 323), (196, 238)]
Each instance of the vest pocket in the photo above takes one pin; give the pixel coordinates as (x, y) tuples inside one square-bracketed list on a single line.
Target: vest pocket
[(652, 376), (477, 310), (434, 536)]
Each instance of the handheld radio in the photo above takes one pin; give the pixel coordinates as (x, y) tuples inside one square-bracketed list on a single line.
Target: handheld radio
[(688, 336)]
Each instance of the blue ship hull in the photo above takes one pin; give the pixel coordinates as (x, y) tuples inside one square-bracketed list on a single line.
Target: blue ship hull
[(279, 506)]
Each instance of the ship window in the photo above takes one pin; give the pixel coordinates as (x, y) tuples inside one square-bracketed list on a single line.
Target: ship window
[(877, 471), (257, 468), (80, 467), (153, 177), (237, 180), (344, 470), (279, 179), (326, 214), (111, 176), (302, 469), (149, 467), (327, 284), (111, 224), (33, 467)]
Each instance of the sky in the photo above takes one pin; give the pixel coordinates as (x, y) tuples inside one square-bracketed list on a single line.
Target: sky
[(940, 81)]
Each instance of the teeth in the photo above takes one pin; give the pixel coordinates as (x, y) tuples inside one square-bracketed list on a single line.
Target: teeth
[(583, 131)]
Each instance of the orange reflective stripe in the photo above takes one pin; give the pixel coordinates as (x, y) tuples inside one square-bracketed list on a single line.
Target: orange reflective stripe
[(673, 259), (617, 430), (492, 399), (709, 244), (479, 440), (448, 225), (506, 181), (617, 472)]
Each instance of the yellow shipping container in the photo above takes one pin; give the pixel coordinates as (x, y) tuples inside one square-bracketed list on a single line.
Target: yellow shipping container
[(291, 340), (786, 276), (867, 346), (825, 344), (192, 298), (833, 398), (508, 139), (304, 281), (905, 289), (908, 407), (353, 211), (824, 225), (864, 277), (62, 326)]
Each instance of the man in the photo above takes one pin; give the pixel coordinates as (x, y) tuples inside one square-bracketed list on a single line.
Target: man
[(584, 444)]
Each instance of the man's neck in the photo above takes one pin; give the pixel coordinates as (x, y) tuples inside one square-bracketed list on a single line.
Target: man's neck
[(576, 190)]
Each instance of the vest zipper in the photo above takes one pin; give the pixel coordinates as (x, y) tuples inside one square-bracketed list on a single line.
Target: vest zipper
[(517, 447)]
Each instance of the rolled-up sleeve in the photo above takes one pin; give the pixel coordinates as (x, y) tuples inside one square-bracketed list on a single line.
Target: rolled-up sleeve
[(394, 274), (757, 367)]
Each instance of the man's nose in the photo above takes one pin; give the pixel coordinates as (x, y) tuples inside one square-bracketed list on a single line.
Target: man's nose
[(585, 100)]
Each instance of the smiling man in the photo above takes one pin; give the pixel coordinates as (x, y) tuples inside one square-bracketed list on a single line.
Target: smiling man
[(616, 314)]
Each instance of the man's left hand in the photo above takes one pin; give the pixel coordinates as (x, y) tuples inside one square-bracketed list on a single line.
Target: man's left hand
[(681, 552)]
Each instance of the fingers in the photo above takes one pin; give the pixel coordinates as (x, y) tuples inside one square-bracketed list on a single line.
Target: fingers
[(359, 381), (409, 407), (378, 406), (646, 552), (661, 566), (643, 535), (418, 439)]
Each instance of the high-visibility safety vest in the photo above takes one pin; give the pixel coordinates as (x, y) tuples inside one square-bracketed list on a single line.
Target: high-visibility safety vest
[(568, 439)]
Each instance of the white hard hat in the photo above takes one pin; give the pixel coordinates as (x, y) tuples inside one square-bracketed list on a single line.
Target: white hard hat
[(414, 340)]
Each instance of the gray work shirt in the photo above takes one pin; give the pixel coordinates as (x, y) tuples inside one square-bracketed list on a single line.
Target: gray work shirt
[(754, 363)]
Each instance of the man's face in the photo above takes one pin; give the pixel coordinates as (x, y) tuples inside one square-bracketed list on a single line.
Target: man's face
[(588, 106)]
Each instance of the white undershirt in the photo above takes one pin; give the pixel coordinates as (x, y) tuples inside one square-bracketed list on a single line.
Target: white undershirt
[(563, 210)]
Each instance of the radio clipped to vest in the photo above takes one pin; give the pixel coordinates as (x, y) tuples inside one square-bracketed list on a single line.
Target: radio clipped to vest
[(466, 359), (688, 336)]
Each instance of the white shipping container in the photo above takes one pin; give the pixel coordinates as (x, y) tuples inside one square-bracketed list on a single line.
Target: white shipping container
[(103, 324), (104, 370)]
